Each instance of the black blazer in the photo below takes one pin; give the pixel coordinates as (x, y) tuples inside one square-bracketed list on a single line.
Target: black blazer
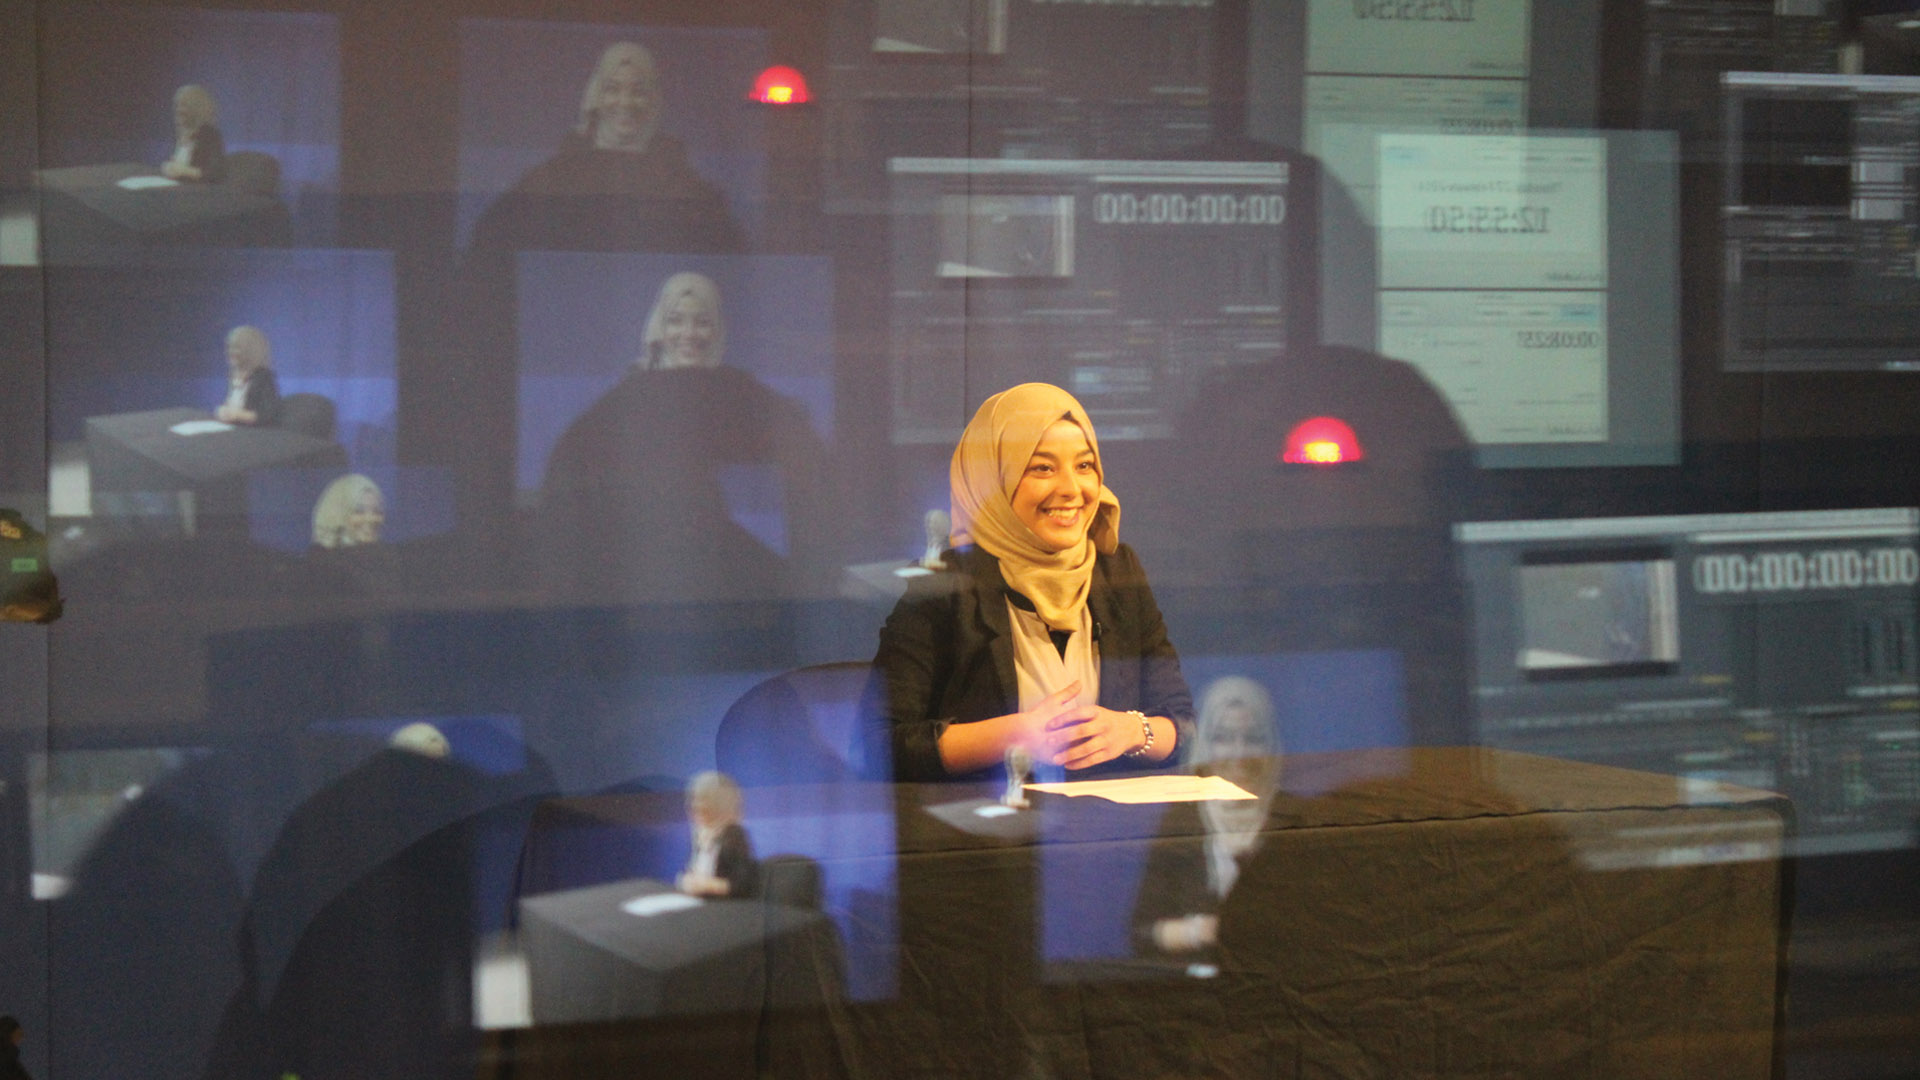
[(263, 397), (946, 657), (209, 154), (734, 863)]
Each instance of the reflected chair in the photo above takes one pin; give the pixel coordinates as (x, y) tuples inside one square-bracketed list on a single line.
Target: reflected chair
[(795, 728), (309, 414), (254, 173)]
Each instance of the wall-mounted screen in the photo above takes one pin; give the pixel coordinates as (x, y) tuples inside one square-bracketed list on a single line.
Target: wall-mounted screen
[(1532, 279), (1127, 282), (1821, 206), (1773, 650)]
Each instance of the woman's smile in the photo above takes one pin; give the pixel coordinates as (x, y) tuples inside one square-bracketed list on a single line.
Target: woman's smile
[(1061, 485)]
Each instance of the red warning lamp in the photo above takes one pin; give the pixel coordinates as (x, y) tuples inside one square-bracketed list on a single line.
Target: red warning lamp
[(1323, 440), (780, 85)]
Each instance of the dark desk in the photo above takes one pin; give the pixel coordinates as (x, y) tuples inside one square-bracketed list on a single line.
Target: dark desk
[(1425, 912), (136, 452), (87, 212), (589, 958)]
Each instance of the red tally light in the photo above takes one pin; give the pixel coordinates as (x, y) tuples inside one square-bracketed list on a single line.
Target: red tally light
[(1322, 440), (780, 85)]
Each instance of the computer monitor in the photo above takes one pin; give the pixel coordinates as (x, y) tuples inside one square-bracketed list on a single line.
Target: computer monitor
[(1127, 282), (1774, 650), (1819, 214)]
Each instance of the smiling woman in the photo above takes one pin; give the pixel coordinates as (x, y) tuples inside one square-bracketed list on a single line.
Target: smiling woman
[(685, 327), (1041, 633)]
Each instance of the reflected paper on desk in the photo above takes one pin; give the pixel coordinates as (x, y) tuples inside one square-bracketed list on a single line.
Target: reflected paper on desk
[(143, 183), (200, 427), (1137, 790), (660, 904)]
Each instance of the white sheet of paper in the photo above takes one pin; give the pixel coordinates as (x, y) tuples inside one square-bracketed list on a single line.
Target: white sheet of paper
[(659, 904), (1151, 789), (199, 427), (143, 183)]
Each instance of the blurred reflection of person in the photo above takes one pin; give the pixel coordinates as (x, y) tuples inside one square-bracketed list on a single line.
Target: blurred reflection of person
[(722, 863), (253, 392), (633, 496), (350, 513), (421, 738), (617, 183), (1043, 631), (28, 590), (12, 1035), (199, 153), (684, 329), (1181, 893)]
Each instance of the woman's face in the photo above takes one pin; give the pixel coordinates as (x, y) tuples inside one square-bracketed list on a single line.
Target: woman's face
[(241, 355), (626, 106), (1237, 734), (366, 518), (688, 333), (1058, 493), (183, 121), (705, 814), (1240, 747)]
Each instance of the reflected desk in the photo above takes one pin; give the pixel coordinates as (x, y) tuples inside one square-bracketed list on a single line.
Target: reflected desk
[(86, 211), (592, 956), (1425, 912), (139, 452)]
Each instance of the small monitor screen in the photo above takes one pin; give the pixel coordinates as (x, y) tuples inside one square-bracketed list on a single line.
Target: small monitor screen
[(1819, 213), (564, 128), (1585, 613), (1012, 271), (1769, 650), (1532, 280)]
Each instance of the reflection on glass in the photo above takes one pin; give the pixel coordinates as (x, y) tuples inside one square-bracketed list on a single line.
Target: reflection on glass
[(1240, 741), (253, 392), (617, 181), (1037, 572), (722, 863), (199, 153), (351, 513), (687, 476)]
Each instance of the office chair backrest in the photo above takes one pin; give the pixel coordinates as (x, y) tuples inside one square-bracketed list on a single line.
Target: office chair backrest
[(795, 728)]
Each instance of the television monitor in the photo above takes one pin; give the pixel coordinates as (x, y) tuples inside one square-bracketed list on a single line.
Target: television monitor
[(1773, 650), (1818, 213)]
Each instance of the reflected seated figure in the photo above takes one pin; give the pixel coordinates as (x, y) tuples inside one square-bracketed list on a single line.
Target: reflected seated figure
[(199, 151), (1178, 911), (633, 505), (200, 194), (617, 183)]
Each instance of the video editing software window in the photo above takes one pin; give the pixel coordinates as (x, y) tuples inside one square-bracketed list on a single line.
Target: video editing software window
[(1062, 270), (1774, 650), (1822, 202)]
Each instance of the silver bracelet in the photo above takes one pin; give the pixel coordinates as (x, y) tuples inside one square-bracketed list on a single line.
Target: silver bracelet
[(1146, 732)]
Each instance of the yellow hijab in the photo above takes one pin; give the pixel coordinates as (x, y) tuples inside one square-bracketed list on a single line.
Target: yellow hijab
[(987, 466)]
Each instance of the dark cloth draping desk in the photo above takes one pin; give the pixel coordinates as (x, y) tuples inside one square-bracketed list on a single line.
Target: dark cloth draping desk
[(588, 958), (1426, 912), (87, 212), (138, 452)]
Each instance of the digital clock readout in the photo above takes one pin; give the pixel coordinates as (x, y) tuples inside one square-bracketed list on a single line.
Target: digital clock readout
[(1799, 571), (1163, 208), (1518, 220)]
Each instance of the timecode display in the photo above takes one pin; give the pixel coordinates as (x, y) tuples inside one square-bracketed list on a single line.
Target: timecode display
[(1119, 208), (1797, 571), (1487, 219)]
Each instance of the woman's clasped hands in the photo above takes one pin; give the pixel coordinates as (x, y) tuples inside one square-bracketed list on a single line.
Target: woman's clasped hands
[(1063, 732)]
